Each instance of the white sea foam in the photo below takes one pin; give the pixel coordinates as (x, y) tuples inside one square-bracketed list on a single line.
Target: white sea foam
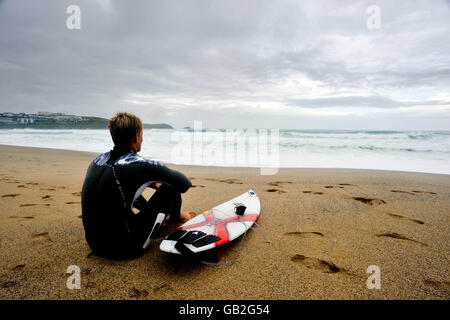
[(421, 151)]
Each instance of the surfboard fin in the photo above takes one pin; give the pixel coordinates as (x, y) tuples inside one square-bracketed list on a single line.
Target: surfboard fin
[(212, 257)]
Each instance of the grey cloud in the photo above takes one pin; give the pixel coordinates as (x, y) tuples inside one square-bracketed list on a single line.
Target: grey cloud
[(223, 51), (359, 101)]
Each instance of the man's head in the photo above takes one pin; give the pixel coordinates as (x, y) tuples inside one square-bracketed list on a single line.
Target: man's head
[(126, 129)]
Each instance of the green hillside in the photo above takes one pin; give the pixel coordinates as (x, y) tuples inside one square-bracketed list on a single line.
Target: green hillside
[(86, 123)]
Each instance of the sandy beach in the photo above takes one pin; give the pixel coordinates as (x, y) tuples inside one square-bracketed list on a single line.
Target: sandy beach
[(319, 231)]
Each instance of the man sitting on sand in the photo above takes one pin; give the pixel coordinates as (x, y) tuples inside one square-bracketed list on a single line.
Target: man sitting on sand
[(113, 188)]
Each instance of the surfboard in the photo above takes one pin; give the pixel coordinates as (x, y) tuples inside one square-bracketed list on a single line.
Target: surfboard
[(214, 227)]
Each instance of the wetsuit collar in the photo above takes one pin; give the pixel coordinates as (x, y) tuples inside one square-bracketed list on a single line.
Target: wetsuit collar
[(119, 151)]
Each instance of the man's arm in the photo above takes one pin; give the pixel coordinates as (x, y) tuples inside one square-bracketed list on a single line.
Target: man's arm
[(163, 174)]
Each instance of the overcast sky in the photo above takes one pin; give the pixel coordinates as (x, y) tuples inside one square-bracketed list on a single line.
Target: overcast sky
[(267, 64)]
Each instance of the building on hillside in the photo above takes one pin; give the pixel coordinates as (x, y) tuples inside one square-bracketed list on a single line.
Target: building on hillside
[(25, 120)]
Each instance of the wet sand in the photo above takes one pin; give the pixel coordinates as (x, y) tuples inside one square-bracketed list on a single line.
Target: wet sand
[(319, 231)]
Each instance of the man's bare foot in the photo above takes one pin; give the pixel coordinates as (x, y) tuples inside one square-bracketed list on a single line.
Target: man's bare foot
[(186, 216)]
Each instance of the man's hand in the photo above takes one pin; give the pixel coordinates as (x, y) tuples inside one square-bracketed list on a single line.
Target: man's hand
[(186, 216)]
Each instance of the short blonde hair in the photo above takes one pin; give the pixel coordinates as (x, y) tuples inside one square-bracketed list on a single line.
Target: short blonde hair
[(123, 127)]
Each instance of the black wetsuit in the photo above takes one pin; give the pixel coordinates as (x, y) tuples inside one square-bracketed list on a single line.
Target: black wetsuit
[(112, 187)]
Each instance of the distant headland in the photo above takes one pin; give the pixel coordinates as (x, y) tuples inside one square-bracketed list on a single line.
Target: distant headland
[(50, 120)]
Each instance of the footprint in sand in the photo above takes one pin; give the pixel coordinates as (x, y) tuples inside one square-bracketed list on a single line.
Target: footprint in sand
[(399, 237), (275, 190), (313, 236), (40, 238), (18, 267), (163, 286), (397, 216), (47, 197), (197, 185), (429, 192), (401, 191), (316, 264), (10, 180), (86, 271), (15, 217), (73, 202), (229, 181), (12, 195), (439, 285), (273, 184), (369, 201), (34, 204), (76, 194), (40, 235), (348, 184), (277, 183), (9, 284), (304, 234), (137, 293)]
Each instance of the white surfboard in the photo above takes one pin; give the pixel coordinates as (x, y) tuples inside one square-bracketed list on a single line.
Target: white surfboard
[(215, 227)]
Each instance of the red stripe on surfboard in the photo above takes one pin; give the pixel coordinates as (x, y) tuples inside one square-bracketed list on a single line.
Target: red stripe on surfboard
[(222, 233), (221, 230), (209, 219)]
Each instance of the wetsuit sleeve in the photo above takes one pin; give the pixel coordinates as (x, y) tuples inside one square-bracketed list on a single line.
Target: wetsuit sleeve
[(172, 177)]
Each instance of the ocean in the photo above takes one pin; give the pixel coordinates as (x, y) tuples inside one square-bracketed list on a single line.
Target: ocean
[(418, 151)]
